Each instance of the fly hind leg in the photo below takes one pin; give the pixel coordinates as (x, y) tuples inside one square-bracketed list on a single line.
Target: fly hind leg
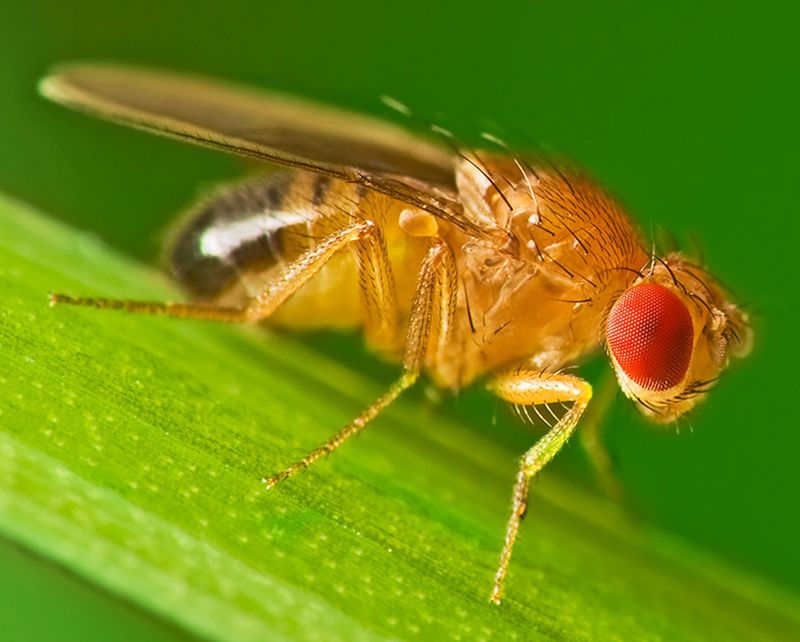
[(288, 281), (532, 388)]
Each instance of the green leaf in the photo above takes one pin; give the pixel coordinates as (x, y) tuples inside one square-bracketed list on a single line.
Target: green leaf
[(132, 448)]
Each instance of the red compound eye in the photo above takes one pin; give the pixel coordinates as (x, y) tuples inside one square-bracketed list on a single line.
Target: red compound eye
[(649, 332)]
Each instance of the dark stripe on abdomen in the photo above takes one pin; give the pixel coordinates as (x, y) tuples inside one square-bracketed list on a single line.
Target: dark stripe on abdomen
[(239, 229), (322, 184)]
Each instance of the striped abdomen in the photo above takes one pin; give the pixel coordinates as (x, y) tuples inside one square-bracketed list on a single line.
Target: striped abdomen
[(240, 229), (232, 243)]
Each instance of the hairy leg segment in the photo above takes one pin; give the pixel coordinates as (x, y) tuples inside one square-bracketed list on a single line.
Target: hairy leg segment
[(293, 276), (532, 388)]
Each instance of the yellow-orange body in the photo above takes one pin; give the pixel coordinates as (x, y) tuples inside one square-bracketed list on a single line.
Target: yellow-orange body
[(536, 294), (454, 263)]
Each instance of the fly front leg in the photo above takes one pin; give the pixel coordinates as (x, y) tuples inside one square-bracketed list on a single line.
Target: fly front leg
[(431, 317), (533, 388)]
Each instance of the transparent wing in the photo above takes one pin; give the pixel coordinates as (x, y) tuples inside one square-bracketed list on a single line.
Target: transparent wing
[(266, 126)]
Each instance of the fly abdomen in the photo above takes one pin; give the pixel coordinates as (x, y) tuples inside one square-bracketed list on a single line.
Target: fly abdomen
[(233, 245), (247, 228)]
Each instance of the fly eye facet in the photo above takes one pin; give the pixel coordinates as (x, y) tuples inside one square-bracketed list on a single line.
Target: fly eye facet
[(649, 333)]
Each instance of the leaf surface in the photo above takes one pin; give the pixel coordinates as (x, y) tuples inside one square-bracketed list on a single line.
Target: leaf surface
[(132, 448)]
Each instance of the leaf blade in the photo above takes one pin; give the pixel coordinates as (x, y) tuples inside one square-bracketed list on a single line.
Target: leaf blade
[(131, 451)]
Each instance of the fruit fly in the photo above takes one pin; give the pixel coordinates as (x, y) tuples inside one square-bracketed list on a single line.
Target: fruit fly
[(458, 264)]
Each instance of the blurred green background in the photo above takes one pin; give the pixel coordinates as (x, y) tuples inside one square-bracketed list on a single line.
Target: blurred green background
[(688, 112)]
